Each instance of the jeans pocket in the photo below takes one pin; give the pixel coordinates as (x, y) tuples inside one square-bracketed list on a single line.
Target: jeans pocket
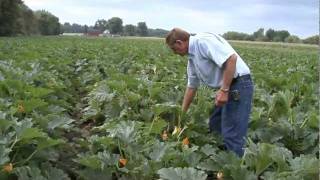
[(247, 84)]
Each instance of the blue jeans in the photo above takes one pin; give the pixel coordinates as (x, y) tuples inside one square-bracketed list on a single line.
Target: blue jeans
[(231, 119)]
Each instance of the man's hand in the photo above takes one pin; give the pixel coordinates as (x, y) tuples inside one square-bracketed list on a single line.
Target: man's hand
[(221, 98), (228, 73)]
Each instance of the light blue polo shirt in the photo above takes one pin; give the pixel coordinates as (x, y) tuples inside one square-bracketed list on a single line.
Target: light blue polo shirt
[(207, 53)]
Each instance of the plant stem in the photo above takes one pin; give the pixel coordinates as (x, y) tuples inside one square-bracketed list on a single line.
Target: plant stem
[(30, 156), (120, 149)]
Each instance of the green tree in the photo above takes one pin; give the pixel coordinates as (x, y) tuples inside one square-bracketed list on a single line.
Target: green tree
[(48, 23), (66, 27), (270, 34), (142, 29), (232, 35), (86, 28), (129, 30), (157, 32), (282, 35), (27, 21), (312, 40), (292, 39), (115, 25), (101, 25), (9, 14), (259, 34)]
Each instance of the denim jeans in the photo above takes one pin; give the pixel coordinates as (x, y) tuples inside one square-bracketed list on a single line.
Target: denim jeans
[(231, 119)]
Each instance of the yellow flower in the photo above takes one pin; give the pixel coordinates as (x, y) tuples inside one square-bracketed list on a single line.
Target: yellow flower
[(185, 141), (21, 108), (220, 175), (176, 130), (8, 167), (123, 162)]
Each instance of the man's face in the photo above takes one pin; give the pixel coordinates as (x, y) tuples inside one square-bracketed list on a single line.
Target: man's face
[(180, 47)]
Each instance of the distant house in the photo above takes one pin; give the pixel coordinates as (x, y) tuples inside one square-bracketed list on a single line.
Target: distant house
[(106, 33), (93, 32)]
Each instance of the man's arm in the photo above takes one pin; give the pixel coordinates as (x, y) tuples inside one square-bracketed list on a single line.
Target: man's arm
[(188, 97), (228, 73)]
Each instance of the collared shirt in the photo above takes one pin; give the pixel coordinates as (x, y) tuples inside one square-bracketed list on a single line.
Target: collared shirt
[(207, 54)]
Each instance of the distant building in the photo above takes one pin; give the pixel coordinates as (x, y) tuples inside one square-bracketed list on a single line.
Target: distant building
[(93, 32), (72, 34), (106, 33)]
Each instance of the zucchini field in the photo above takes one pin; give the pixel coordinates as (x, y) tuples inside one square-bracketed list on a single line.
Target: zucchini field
[(106, 108)]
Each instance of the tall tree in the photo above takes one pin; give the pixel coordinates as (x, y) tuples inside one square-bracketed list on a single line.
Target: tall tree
[(9, 14), (48, 23), (142, 29), (115, 25), (235, 35), (292, 39), (258, 34), (101, 25), (129, 30), (77, 28), (157, 32), (86, 28), (67, 28), (27, 21), (270, 34), (283, 34), (312, 40)]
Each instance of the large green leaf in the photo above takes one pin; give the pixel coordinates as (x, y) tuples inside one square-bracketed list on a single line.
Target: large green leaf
[(5, 124), (29, 173), (52, 173), (59, 121), (108, 159), (182, 174), (90, 161), (305, 165), (48, 142), (4, 154), (156, 126), (32, 104), (94, 174), (125, 131), (158, 151), (165, 107), (31, 133), (38, 92), (262, 155), (208, 150)]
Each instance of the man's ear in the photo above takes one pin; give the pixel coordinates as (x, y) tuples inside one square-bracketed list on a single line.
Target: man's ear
[(179, 42)]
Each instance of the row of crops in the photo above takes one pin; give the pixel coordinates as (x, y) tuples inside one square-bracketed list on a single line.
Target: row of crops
[(94, 108)]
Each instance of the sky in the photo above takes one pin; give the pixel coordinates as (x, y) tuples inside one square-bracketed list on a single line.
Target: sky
[(299, 17)]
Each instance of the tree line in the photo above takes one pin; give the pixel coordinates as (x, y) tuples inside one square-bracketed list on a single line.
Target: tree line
[(270, 35), (18, 19), (115, 26)]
